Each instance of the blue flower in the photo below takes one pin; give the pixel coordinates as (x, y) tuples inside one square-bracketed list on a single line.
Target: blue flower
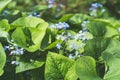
[(14, 49), (60, 25), (15, 62), (50, 3), (71, 56), (59, 46), (62, 37)]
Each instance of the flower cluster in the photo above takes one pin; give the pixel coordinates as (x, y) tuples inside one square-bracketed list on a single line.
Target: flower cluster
[(14, 49), (76, 46), (62, 37), (59, 46), (81, 35), (50, 3), (84, 25), (60, 25), (75, 55), (95, 7)]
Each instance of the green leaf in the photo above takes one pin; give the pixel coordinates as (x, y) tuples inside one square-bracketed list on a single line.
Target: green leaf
[(52, 45), (26, 22), (111, 32), (39, 8), (57, 66), (42, 25), (48, 41), (97, 28), (4, 25), (3, 4), (78, 18), (37, 74), (96, 46), (86, 68), (101, 29), (112, 59), (65, 18), (24, 40), (71, 74), (2, 59), (23, 66), (28, 36), (5, 35)]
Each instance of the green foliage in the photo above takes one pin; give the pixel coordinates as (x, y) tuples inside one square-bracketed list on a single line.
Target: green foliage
[(4, 25), (57, 66), (61, 40), (3, 4), (25, 65), (111, 57), (86, 68), (2, 59), (78, 18)]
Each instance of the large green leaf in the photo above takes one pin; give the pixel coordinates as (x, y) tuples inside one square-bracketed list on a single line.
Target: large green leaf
[(48, 41), (26, 22), (3, 4), (97, 28), (2, 59), (71, 74), (23, 66), (86, 68), (37, 74), (111, 32), (24, 40), (112, 59), (101, 29), (95, 46), (4, 25), (57, 66)]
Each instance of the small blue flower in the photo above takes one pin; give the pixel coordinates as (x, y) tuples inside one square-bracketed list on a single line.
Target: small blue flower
[(71, 56), (59, 46), (15, 62), (60, 25), (103, 10), (50, 3), (62, 37), (81, 35), (118, 29), (96, 5), (14, 49)]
